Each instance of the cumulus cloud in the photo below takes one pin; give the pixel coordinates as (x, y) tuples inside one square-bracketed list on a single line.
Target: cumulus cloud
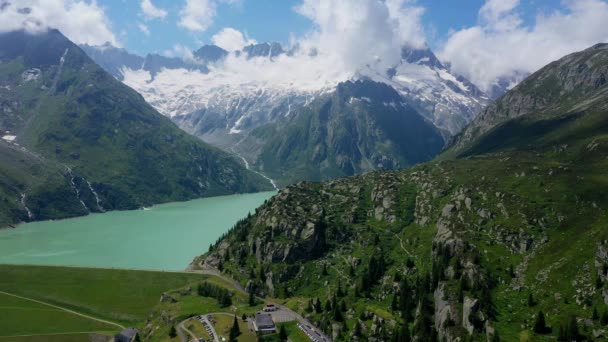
[(150, 11), (348, 38), (180, 51), (502, 45), (362, 32), (80, 21), (144, 29), (197, 15), (231, 39)]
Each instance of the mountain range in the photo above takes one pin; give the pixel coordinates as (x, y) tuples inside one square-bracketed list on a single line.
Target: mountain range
[(205, 98), (75, 140)]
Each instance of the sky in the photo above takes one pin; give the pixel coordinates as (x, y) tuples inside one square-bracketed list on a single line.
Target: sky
[(483, 40)]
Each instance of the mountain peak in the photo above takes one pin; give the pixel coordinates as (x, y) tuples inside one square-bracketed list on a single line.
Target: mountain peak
[(421, 56)]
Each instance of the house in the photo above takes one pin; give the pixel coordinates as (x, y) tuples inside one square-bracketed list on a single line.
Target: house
[(127, 335), (263, 324), (270, 307)]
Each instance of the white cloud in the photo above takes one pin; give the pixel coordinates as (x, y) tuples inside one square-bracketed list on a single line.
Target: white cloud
[(197, 15), (363, 32), (144, 29), (349, 38), (501, 44), (231, 39), (80, 21), (150, 11), (180, 51)]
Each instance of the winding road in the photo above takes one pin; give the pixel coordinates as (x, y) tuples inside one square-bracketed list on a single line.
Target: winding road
[(206, 269)]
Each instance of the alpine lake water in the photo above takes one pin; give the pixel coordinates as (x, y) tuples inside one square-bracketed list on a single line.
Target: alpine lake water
[(165, 237)]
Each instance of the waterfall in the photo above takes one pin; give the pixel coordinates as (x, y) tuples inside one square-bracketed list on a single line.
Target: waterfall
[(96, 196), (76, 188), (29, 212)]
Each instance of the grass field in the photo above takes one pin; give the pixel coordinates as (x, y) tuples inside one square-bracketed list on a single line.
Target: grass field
[(224, 323), (14, 312), (125, 297), (122, 296)]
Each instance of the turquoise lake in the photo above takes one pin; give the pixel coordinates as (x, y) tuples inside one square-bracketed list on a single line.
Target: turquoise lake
[(165, 237)]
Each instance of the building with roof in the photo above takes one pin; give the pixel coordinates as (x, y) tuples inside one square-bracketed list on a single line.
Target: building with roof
[(263, 324)]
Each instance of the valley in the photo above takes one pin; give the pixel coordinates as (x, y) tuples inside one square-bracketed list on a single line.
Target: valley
[(348, 170)]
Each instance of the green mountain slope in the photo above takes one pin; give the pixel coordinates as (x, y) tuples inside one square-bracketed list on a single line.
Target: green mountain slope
[(564, 99), (113, 149), (454, 249), (362, 126)]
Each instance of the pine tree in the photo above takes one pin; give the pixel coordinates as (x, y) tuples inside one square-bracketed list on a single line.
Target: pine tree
[(405, 334), (511, 271), (324, 270), (357, 329), (235, 331), (339, 290), (318, 306), (172, 332), (604, 319), (599, 283), (244, 317), (561, 336), (328, 305), (283, 333), (539, 324), (338, 317), (461, 288), (531, 301), (251, 298), (572, 332), (309, 307), (496, 337), (595, 316)]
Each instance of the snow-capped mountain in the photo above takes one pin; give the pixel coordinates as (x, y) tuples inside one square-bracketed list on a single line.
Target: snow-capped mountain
[(229, 93), (449, 101)]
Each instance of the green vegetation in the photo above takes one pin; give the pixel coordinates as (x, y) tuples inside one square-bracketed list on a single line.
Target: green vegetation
[(91, 143), (508, 241), (351, 131), (23, 317), (121, 296)]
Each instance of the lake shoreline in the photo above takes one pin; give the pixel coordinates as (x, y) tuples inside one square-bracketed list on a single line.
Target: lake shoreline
[(166, 238), (16, 225)]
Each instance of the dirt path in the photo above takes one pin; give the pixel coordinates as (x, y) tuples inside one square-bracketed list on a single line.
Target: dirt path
[(64, 309), (402, 247)]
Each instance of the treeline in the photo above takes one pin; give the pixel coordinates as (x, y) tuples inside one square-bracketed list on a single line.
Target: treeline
[(223, 296)]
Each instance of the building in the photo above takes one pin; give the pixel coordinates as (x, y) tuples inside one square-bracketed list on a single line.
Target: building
[(127, 335), (263, 324)]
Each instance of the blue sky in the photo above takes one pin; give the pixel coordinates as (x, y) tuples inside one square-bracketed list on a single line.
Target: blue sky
[(276, 20), (483, 40)]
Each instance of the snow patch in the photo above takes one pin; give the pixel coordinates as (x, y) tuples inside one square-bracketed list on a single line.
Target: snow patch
[(9, 138)]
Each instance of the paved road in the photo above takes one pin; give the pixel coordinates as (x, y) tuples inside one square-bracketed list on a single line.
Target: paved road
[(64, 309), (181, 328), (216, 337)]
